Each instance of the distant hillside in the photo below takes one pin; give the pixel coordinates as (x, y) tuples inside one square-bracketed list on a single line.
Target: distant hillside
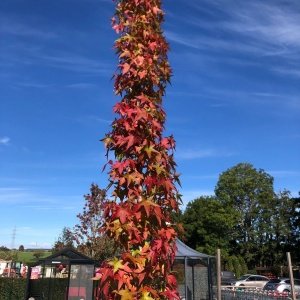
[(28, 256)]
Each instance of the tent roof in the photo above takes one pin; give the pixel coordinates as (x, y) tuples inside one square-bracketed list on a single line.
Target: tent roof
[(185, 251)]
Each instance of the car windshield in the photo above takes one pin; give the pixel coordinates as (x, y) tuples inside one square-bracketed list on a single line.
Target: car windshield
[(243, 277)]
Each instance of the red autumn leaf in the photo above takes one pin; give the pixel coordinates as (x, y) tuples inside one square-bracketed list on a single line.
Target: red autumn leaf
[(125, 68), (156, 10), (171, 279), (153, 46), (139, 60), (122, 214), (142, 74), (171, 294), (126, 140)]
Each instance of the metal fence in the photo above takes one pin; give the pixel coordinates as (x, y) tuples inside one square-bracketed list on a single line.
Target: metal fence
[(254, 294)]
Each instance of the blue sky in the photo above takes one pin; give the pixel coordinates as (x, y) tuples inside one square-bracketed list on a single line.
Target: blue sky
[(234, 98)]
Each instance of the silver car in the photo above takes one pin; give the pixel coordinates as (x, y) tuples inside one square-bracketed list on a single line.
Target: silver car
[(253, 281), (282, 285)]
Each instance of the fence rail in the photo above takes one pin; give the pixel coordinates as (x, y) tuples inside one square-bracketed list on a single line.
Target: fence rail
[(253, 294)]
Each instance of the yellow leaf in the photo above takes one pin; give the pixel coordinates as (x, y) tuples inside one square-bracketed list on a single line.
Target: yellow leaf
[(146, 296), (116, 263), (125, 294)]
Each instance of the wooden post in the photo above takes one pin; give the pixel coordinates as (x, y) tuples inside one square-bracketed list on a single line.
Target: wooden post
[(218, 274), (291, 275)]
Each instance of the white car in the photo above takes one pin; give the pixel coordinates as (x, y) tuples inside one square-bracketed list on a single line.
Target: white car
[(282, 285), (254, 281)]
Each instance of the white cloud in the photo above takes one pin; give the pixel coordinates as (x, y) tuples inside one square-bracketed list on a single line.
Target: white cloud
[(4, 141)]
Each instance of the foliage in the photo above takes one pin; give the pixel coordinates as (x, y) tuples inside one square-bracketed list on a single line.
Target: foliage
[(8, 255), (46, 288), (65, 240), (38, 254), (4, 248), (12, 288), (143, 173), (249, 193), (90, 241), (246, 219), (208, 225), (295, 223), (237, 265), (21, 248)]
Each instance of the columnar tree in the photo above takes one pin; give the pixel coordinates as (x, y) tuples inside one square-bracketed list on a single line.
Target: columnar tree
[(142, 175)]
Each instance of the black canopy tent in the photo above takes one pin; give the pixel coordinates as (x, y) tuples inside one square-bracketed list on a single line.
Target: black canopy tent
[(196, 273), (64, 275)]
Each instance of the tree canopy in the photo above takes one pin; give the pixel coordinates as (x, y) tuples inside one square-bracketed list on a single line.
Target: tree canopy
[(246, 219), (87, 234)]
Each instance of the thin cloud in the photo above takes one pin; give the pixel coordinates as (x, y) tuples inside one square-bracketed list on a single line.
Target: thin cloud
[(82, 85), (190, 154), (295, 72), (10, 26), (77, 63), (4, 141), (255, 27), (284, 173), (191, 195), (25, 197)]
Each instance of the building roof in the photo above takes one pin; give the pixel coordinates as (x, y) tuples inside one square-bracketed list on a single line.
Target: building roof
[(67, 255), (185, 251)]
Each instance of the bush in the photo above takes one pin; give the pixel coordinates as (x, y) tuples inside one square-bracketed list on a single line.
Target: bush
[(12, 288)]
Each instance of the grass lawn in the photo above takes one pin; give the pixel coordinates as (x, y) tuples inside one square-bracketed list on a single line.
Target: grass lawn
[(28, 256)]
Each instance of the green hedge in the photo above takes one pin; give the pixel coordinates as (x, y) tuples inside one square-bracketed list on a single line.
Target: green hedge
[(12, 288)]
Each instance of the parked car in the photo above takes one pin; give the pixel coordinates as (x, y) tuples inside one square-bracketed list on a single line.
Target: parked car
[(250, 280), (227, 278), (282, 285)]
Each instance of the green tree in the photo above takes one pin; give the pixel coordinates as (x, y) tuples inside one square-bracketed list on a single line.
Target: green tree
[(38, 254), (4, 248), (8, 255), (249, 192), (282, 233), (208, 225), (21, 248), (295, 223), (236, 264)]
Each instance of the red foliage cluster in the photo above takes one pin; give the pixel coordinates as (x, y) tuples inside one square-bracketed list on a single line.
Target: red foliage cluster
[(143, 173)]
